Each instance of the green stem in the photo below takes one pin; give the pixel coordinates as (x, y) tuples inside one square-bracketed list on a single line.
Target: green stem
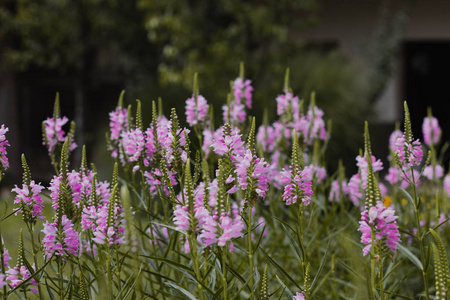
[(61, 278), (35, 263), (224, 272), (380, 277), (193, 247), (419, 234), (250, 250), (372, 266)]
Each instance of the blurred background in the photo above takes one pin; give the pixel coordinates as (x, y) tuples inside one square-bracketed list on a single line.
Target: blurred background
[(363, 59)]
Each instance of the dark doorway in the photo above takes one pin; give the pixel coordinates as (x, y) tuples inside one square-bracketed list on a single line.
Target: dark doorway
[(427, 83)]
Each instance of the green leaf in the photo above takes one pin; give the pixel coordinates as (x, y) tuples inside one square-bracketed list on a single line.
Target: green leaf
[(182, 290), (286, 290), (411, 256), (322, 264), (298, 247), (408, 196), (280, 269)]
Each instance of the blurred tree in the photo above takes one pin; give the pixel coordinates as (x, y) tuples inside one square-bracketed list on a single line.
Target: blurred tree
[(77, 39)]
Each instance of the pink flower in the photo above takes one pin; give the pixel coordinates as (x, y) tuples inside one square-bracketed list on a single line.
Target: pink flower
[(60, 239), (229, 144), (55, 134), (29, 196), (133, 142), (221, 232), (379, 223), (287, 102), (19, 274), (433, 173), (118, 122), (234, 113), (447, 184), (4, 163), (364, 167), (2, 280), (260, 172), (296, 186), (355, 189), (393, 139), (181, 217), (196, 110), (230, 229), (335, 194), (298, 296), (243, 91), (431, 131), (266, 137), (409, 152)]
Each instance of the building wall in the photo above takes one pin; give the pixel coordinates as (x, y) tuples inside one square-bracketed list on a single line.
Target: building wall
[(351, 24)]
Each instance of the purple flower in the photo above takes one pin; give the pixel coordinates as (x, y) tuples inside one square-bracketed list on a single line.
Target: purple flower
[(196, 110), (104, 233), (296, 186), (229, 144), (298, 296), (118, 122), (19, 274), (364, 167), (32, 202), (430, 172), (4, 163), (396, 134), (409, 152), (2, 280), (55, 134), (221, 232), (379, 223), (266, 137), (260, 172), (288, 102), (181, 217), (354, 189), (431, 131), (133, 142), (335, 193), (243, 91), (235, 111), (60, 239), (447, 184)]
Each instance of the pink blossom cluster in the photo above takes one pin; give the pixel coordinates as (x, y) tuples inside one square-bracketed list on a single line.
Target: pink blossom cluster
[(260, 172), (243, 91), (235, 111), (288, 103), (79, 188), (55, 134), (433, 172), (299, 296), (409, 152), (29, 196), (134, 145), (118, 122), (60, 238), (297, 186), (379, 224), (431, 131), (211, 228), (4, 163), (336, 187), (363, 166), (229, 144), (196, 110), (17, 275)]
